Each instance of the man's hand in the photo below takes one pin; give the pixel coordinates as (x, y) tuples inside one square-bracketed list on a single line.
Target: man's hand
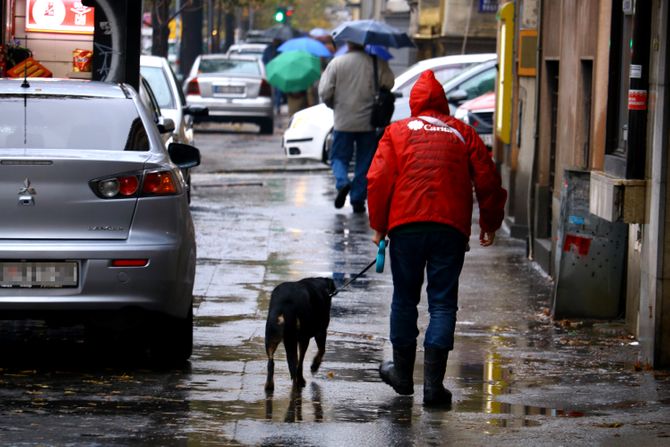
[(486, 238), (377, 237)]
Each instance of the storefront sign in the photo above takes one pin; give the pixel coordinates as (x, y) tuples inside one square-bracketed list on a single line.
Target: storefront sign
[(59, 16), (637, 100), (490, 6)]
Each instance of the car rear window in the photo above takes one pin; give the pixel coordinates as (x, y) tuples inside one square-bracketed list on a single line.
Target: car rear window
[(158, 82), (70, 122), (237, 67)]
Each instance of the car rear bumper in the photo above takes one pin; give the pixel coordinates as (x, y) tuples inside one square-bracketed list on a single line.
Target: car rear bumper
[(164, 285), (224, 109)]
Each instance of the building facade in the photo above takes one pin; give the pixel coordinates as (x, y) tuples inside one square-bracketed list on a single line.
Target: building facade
[(585, 158)]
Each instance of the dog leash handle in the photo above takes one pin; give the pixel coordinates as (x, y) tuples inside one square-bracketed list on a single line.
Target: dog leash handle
[(381, 256)]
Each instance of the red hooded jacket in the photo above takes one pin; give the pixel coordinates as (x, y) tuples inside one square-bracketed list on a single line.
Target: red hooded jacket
[(423, 172)]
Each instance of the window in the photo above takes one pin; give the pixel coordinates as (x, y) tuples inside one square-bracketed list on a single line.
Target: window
[(237, 67), (159, 84), (479, 84), (70, 122)]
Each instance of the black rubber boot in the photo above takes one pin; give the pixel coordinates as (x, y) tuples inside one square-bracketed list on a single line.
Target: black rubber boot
[(434, 366), (398, 373)]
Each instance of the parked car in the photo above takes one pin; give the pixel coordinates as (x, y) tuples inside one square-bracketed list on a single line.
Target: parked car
[(478, 113), (170, 98), (170, 102), (100, 228), (309, 132), (247, 49), (468, 84), (445, 68), (233, 88)]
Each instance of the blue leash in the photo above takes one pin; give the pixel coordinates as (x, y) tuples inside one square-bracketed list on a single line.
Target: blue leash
[(378, 262)]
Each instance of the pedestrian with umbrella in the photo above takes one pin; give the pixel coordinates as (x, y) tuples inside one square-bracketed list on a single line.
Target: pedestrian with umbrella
[(270, 52), (348, 86), (300, 100), (293, 72)]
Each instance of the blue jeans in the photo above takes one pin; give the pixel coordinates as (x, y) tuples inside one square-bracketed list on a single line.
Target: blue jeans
[(277, 99), (441, 255), (341, 155)]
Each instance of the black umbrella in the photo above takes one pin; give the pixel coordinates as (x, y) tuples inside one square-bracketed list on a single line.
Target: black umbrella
[(282, 32), (371, 32)]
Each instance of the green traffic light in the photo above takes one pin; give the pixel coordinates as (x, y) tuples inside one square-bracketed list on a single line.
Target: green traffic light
[(280, 16)]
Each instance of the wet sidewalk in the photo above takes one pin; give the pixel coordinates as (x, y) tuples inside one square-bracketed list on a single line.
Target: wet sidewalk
[(518, 378)]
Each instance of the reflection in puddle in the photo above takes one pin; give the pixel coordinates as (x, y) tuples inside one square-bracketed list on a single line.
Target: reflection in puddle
[(496, 380), (513, 423), (294, 408)]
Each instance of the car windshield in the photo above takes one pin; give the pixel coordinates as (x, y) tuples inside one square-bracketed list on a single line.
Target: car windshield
[(442, 74), (158, 82), (236, 67), (482, 83), (70, 122)]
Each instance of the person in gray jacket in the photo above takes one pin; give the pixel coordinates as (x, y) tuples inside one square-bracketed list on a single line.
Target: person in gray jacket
[(347, 87)]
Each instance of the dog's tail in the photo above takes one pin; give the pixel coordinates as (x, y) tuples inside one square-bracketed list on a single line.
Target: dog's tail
[(274, 333)]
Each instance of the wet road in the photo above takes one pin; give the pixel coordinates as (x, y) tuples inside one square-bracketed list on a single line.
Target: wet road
[(517, 377)]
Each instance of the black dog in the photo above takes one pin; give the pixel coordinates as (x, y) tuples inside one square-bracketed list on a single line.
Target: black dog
[(298, 311)]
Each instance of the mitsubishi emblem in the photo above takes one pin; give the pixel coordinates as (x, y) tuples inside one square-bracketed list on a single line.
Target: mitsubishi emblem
[(26, 194)]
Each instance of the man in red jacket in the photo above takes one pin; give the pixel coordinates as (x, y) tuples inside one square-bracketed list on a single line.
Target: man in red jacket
[(420, 194)]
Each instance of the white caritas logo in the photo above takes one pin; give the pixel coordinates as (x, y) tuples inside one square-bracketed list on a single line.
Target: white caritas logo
[(415, 125), (420, 125)]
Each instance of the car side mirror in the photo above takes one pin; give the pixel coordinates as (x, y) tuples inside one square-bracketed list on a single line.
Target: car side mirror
[(196, 110), (397, 94), (183, 155), (457, 96), (165, 125)]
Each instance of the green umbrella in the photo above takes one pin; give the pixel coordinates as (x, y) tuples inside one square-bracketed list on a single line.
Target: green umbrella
[(293, 71)]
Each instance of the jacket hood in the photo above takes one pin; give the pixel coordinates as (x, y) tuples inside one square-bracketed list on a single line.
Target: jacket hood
[(428, 94)]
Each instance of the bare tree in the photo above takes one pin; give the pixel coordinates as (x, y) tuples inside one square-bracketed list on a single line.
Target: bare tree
[(160, 17), (191, 39)]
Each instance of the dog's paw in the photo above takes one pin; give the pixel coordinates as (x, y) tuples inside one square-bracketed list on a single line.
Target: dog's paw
[(269, 386), (300, 382), (315, 367)]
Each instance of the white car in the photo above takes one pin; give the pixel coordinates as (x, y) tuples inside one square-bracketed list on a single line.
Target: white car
[(247, 49), (309, 132), (169, 97)]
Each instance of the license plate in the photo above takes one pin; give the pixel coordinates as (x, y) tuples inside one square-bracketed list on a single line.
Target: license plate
[(39, 274), (229, 89), (487, 139)]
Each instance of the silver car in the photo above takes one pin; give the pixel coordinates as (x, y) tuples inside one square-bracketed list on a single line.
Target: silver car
[(247, 49), (95, 219), (233, 88)]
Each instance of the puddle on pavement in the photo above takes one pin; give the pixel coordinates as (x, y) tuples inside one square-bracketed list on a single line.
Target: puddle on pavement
[(488, 383)]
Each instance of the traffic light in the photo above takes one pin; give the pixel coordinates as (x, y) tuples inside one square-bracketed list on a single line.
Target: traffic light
[(289, 12), (280, 15)]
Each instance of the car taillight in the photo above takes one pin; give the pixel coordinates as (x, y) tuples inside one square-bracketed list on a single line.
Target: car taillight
[(121, 186), (266, 89), (193, 88), (159, 184)]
